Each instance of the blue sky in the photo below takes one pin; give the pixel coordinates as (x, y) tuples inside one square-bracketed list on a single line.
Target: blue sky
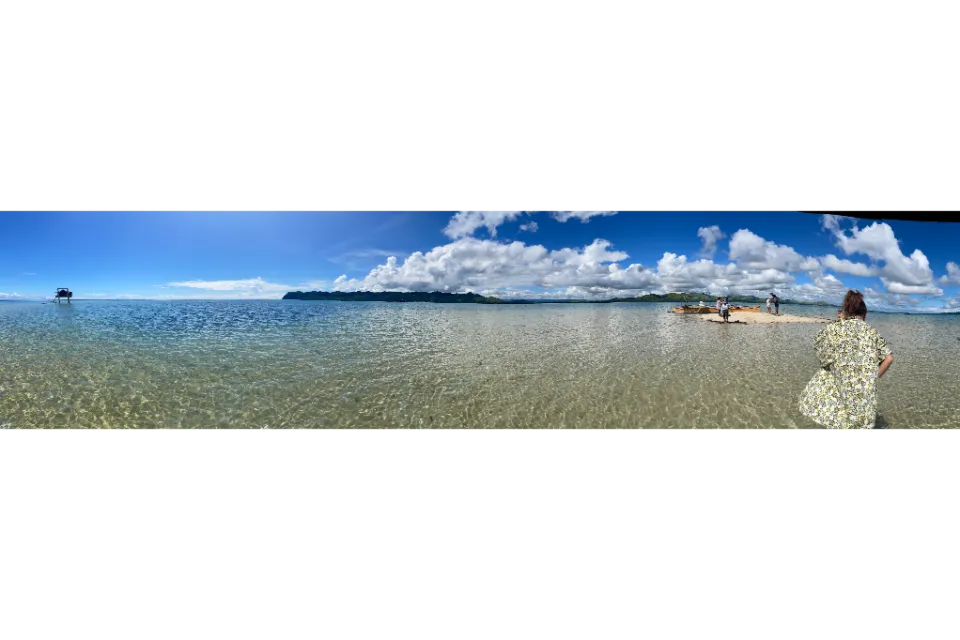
[(511, 254)]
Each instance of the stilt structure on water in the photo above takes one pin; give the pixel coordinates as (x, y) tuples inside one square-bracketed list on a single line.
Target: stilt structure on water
[(63, 292)]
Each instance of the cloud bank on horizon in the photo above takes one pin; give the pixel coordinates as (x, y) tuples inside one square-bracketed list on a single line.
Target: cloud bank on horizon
[(473, 256), (597, 271)]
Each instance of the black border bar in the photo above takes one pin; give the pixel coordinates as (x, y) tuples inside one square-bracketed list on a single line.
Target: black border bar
[(917, 216)]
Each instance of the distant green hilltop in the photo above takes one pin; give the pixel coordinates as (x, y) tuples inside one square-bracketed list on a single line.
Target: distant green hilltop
[(440, 297)]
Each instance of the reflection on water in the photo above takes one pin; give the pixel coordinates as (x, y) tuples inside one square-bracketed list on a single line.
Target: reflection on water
[(329, 364)]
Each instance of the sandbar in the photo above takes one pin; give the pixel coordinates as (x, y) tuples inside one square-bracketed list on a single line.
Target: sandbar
[(758, 317)]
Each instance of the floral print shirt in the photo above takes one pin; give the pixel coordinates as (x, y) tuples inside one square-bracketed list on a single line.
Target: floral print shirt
[(843, 394)]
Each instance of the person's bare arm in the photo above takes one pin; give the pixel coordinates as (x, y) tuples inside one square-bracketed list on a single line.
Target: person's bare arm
[(885, 365)]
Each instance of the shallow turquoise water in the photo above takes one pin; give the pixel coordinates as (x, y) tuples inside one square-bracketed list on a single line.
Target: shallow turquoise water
[(339, 364)]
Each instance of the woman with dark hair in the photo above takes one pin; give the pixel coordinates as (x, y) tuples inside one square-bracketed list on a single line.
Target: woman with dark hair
[(843, 394)]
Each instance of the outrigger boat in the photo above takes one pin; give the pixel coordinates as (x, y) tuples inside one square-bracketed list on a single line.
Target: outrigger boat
[(690, 309), (705, 309)]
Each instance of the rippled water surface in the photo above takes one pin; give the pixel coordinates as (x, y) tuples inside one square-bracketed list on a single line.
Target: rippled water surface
[(344, 364)]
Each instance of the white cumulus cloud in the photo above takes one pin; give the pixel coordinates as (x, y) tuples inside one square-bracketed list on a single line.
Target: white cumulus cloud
[(472, 263), (830, 286), (846, 266), (887, 300), (751, 251), (593, 271), (675, 273), (599, 270), (710, 236), (907, 274), (913, 270), (923, 290), (832, 222), (466, 223), (582, 216), (953, 274)]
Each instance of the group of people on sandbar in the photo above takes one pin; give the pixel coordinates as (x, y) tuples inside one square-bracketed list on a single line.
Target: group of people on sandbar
[(776, 302), (723, 306)]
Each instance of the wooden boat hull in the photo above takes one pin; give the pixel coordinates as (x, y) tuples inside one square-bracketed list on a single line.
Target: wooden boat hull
[(714, 310)]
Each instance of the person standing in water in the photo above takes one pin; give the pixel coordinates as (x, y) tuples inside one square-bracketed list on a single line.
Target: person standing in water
[(853, 356), (725, 310)]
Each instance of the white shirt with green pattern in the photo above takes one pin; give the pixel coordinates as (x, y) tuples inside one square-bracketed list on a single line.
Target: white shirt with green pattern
[(843, 394)]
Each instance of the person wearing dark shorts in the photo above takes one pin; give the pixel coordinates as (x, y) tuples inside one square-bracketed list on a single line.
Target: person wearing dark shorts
[(725, 310), (776, 304)]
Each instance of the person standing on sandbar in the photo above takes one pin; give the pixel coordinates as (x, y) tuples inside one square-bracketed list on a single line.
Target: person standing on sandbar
[(853, 356)]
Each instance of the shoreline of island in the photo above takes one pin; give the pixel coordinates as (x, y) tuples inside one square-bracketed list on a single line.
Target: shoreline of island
[(757, 317)]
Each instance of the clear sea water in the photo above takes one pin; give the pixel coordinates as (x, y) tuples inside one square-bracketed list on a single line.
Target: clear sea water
[(282, 364)]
